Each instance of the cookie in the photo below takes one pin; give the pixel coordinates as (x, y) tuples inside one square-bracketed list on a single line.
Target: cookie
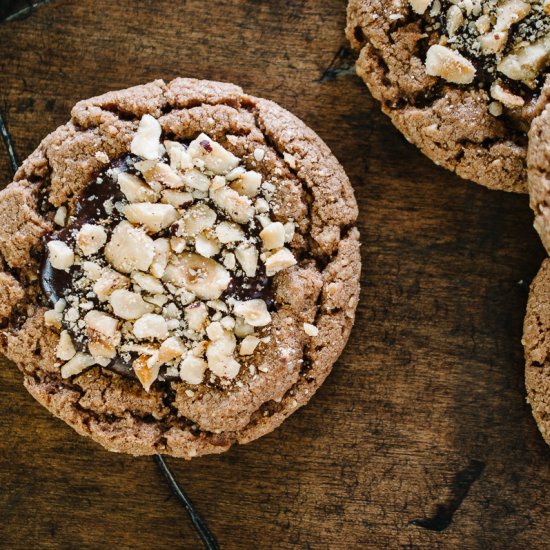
[(538, 163), (537, 349), (461, 80), (179, 267)]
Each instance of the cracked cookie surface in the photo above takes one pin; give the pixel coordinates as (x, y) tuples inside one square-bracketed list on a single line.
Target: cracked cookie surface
[(537, 349), (461, 80), (314, 299), (538, 163)]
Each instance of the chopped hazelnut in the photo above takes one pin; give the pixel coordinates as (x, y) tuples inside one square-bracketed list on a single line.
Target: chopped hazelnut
[(179, 244), (65, 348), (228, 232), (261, 206), (525, 63), (196, 315), (61, 256), (130, 248), (192, 369), (254, 312), (248, 184), (163, 176), (455, 19), (103, 334), (207, 245), (146, 142), (129, 305), (505, 97), (196, 180), (215, 157), (151, 326), (290, 228), (92, 270), (154, 217), (273, 235), (108, 282), (177, 198), (61, 216), (170, 349), (510, 12), (282, 259), (77, 364), (247, 255), (449, 64), (147, 373), (157, 299), (242, 328), (180, 159), (161, 248), (217, 183), (134, 189), (147, 282), (219, 355), (203, 276), (229, 260), (495, 108), (235, 173), (238, 207), (91, 239), (227, 322), (249, 345), (215, 331), (53, 319), (195, 220), (420, 6)]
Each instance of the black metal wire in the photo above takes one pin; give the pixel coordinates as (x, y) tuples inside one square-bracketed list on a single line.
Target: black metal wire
[(27, 10), (6, 138), (208, 539)]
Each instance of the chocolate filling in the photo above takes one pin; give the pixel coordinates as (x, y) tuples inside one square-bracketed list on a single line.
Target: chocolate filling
[(534, 26), (91, 207)]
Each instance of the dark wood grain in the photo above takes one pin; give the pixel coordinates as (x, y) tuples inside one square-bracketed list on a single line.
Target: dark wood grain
[(431, 382)]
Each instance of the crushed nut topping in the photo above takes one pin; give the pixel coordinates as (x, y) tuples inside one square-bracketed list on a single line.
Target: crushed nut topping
[(164, 266), (504, 45)]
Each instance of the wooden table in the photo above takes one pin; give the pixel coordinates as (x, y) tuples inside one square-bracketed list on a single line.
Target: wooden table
[(425, 413)]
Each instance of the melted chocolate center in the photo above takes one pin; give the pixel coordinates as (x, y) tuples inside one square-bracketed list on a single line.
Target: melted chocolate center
[(98, 203), (531, 28)]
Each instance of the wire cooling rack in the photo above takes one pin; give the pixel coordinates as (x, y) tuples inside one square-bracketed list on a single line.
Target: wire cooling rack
[(12, 11)]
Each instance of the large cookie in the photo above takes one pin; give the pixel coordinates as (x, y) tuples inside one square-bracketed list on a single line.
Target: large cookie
[(179, 267), (537, 349), (462, 80), (538, 162)]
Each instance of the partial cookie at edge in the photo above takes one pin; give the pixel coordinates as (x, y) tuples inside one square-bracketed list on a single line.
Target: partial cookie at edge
[(536, 342), (450, 124), (538, 162)]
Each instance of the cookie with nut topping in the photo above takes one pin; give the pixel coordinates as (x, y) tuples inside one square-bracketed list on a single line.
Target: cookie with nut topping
[(461, 79), (538, 162), (537, 349), (179, 267)]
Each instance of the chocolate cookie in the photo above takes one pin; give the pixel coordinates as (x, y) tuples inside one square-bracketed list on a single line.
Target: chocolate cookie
[(537, 349), (462, 80), (538, 163), (179, 267)]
